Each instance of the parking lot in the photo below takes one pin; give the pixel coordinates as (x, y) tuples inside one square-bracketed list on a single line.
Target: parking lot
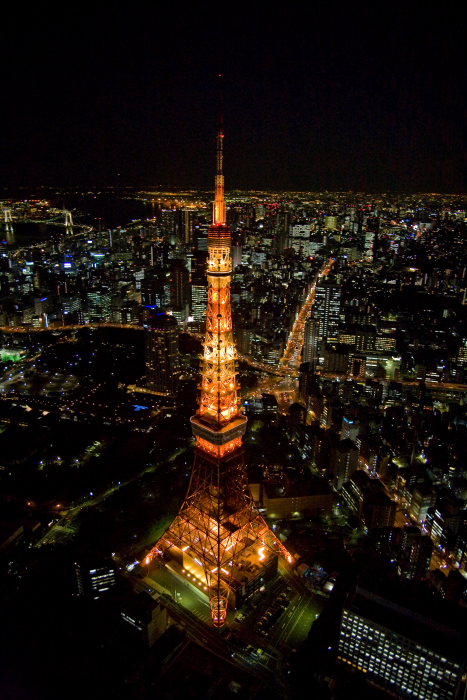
[(273, 613)]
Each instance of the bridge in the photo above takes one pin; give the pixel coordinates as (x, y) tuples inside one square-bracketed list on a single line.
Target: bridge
[(63, 218)]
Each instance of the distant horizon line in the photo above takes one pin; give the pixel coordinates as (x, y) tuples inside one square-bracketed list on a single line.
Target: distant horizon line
[(82, 188)]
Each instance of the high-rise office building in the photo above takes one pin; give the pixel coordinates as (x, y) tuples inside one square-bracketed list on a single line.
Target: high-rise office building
[(407, 646), (331, 223), (155, 288), (94, 576), (179, 284), (236, 255), (280, 227), (310, 345), (199, 286), (199, 300), (417, 550), (161, 350), (189, 217), (327, 310), (200, 238), (147, 617), (180, 293), (299, 238), (198, 267), (170, 225), (99, 303), (343, 462)]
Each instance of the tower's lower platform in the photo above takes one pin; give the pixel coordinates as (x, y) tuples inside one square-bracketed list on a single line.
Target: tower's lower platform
[(251, 571), (218, 535)]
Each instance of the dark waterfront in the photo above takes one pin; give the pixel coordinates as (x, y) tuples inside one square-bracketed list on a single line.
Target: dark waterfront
[(102, 212), (108, 210)]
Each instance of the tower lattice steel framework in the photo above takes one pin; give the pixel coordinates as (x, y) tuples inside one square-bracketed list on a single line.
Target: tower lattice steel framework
[(218, 521)]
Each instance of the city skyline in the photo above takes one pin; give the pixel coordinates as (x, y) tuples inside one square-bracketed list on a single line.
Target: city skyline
[(233, 427), (355, 448)]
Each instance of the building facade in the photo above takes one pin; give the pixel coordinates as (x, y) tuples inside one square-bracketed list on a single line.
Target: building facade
[(161, 351), (408, 653)]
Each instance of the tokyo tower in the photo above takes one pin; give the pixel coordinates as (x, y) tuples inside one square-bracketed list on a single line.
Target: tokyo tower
[(218, 537)]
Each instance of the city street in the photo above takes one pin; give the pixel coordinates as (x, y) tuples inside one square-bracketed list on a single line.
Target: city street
[(292, 353), (289, 631)]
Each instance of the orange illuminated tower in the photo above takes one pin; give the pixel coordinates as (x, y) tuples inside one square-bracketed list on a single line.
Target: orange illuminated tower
[(218, 538)]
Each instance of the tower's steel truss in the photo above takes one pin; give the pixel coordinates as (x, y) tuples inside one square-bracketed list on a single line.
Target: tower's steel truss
[(218, 521)]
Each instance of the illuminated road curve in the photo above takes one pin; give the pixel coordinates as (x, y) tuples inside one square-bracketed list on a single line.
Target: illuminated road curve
[(56, 326), (433, 386), (285, 370)]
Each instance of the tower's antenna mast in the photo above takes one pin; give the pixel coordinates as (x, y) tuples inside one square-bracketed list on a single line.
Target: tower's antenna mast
[(219, 203)]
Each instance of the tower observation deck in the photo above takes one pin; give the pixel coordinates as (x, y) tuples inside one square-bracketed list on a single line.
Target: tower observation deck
[(218, 535)]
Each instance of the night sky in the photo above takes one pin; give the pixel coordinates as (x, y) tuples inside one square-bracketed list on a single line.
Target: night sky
[(371, 97)]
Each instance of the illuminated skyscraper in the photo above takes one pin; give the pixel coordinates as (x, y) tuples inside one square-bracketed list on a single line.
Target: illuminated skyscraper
[(218, 536), (199, 286), (188, 222), (311, 342), (408, 647), (327, 310), (161, 350), (179, 289), (169, 225)]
